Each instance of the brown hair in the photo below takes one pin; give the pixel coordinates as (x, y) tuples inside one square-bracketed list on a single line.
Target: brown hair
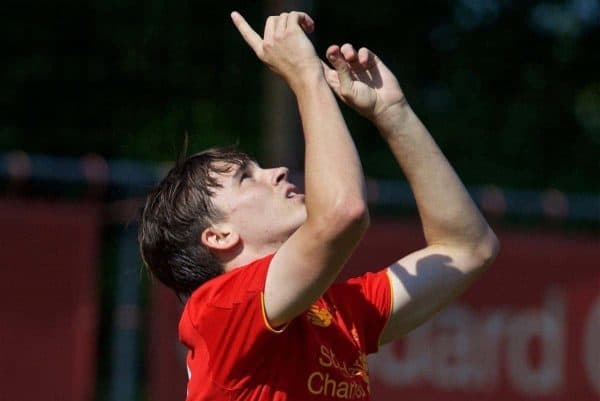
[(176, 212)]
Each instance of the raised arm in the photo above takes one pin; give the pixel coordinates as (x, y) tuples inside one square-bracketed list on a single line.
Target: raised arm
[(460, 244), (308, 262)]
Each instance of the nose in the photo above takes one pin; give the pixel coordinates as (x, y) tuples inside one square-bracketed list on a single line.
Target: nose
[(279, 174)]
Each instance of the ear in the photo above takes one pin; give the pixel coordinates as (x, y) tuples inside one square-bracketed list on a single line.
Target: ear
[(219, 238)]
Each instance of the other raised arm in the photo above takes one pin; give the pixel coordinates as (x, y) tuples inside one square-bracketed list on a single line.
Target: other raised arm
[(460, 243)]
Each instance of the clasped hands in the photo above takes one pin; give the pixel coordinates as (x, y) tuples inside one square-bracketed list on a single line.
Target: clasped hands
[(359, 78)]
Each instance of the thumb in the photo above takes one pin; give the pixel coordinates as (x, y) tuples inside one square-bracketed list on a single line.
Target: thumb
[(331, 76), (338, 62)]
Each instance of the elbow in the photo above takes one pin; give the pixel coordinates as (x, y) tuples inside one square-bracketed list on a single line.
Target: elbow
[(352, 215), (349, 217), (487, 249), (360, 216)]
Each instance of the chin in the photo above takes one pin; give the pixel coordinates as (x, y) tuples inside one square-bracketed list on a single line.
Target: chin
[(296, 227)]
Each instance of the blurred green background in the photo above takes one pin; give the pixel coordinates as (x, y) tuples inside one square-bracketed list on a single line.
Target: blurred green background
[(509, 89)]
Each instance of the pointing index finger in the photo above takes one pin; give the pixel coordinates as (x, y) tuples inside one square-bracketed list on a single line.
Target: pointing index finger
[(250, 36)]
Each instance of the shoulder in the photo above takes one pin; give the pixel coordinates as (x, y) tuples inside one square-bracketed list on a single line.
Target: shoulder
[(233, 299), (366, 301), (234, 286), (364, 297), (365, 284)]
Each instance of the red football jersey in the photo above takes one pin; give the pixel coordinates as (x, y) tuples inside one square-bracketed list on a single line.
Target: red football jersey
[(320, 355)]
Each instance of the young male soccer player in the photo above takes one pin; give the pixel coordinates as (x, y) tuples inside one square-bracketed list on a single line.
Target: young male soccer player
[(263, 320)]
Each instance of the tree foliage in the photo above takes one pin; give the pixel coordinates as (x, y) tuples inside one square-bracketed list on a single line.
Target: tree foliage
[(510, 89)]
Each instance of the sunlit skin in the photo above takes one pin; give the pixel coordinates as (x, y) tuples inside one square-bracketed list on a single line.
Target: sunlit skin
[(260, 206)]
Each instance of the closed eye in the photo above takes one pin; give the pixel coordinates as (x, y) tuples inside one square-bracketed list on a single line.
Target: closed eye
[(244, 172)]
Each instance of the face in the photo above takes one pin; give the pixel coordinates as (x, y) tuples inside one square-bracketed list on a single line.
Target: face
[(260, 204)]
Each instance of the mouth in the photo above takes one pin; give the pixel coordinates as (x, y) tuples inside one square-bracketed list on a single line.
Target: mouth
[(291, 192)]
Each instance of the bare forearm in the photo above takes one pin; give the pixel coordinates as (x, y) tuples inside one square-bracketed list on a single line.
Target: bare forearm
[(448, 213), (333, 170)]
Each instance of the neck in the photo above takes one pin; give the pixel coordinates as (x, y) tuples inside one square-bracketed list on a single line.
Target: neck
[(245, 254)]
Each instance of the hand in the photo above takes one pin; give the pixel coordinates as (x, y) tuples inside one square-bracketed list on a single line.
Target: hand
[(362, 81), (285, 48)]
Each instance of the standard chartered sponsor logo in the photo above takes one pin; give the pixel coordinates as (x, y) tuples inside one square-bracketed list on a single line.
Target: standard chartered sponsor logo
[(355, 384), (320, 383)]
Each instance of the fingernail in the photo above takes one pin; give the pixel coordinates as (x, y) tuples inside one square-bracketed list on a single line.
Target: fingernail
[(332, 57)]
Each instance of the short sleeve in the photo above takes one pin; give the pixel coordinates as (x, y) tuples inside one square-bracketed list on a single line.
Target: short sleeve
[(227, 315), (365, 302)]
